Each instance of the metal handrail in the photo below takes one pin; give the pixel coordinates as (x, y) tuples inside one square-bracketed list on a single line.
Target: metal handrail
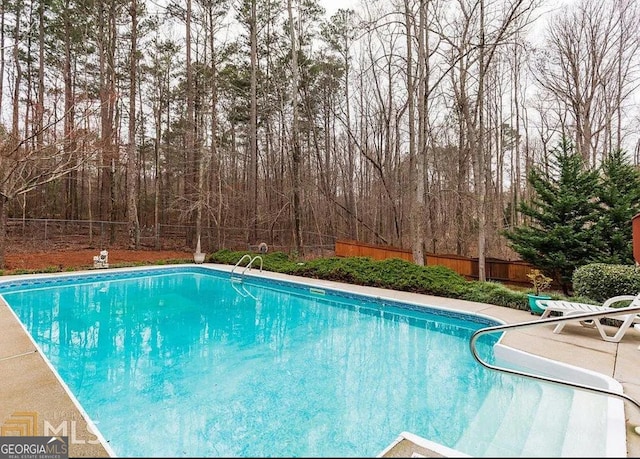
[(239, 279), (251, 262), (248, 266), (553, 320), (246, 255)]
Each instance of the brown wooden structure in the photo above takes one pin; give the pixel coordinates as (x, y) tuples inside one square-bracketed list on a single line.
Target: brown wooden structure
[(506, 271), (635, 228), (377, 252)]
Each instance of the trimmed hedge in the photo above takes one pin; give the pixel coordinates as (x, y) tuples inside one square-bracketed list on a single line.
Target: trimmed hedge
[(391, 273), (600, 281), (495, 293)]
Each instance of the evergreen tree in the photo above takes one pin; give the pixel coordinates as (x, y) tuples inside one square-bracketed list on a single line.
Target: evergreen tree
[(563, 213), (619, 195)]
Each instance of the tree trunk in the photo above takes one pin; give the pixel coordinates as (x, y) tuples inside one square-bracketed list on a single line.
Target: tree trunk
[(480, 152), (132, 172), (295, 141), (2, 54), (107, 38), (217, 186), (39, 115), (69, 117), (252, 184), (18, 74), (190, 179), (3, 229)]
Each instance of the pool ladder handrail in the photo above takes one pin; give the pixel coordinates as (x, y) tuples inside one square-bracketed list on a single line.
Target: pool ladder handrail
[(246, 255), (554, 320), (251, 262), (248, 266)]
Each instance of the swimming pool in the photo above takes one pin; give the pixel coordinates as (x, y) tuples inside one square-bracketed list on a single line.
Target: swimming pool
[(182, 361)]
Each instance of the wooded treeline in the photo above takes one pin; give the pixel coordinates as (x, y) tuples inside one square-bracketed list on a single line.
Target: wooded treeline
[(407, 122)]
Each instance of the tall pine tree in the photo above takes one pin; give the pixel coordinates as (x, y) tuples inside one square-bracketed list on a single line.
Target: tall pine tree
[(619, 195), (561, 234)]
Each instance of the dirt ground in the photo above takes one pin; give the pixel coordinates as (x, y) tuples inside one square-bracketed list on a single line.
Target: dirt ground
[(83, 258)]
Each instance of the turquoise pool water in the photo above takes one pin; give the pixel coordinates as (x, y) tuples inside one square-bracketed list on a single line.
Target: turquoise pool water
[(185, 362)]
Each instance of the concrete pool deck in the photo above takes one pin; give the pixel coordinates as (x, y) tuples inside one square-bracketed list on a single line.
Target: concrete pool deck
[(33, 398)]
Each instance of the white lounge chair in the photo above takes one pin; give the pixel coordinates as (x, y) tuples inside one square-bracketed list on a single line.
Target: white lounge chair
[(569, 308)]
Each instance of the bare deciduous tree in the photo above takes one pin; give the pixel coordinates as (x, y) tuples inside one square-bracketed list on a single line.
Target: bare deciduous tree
[(132, 170), (587, 64), (23, 169)]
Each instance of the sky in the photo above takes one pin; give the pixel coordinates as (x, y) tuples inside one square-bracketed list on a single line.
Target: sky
[(331, 6)]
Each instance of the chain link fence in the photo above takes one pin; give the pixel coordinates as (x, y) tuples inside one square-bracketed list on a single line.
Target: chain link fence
[(40, 234)]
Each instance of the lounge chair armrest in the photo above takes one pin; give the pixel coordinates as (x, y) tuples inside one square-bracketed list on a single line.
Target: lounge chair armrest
[(542, 304), (616, 299)]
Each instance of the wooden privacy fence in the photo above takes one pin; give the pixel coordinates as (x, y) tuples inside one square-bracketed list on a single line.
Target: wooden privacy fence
[(512, 272), (377, 252)]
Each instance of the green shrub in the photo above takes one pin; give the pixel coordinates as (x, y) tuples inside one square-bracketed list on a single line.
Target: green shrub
[(225, 256), (357, 270), (600, 281), (496, 293), (392, 273)]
